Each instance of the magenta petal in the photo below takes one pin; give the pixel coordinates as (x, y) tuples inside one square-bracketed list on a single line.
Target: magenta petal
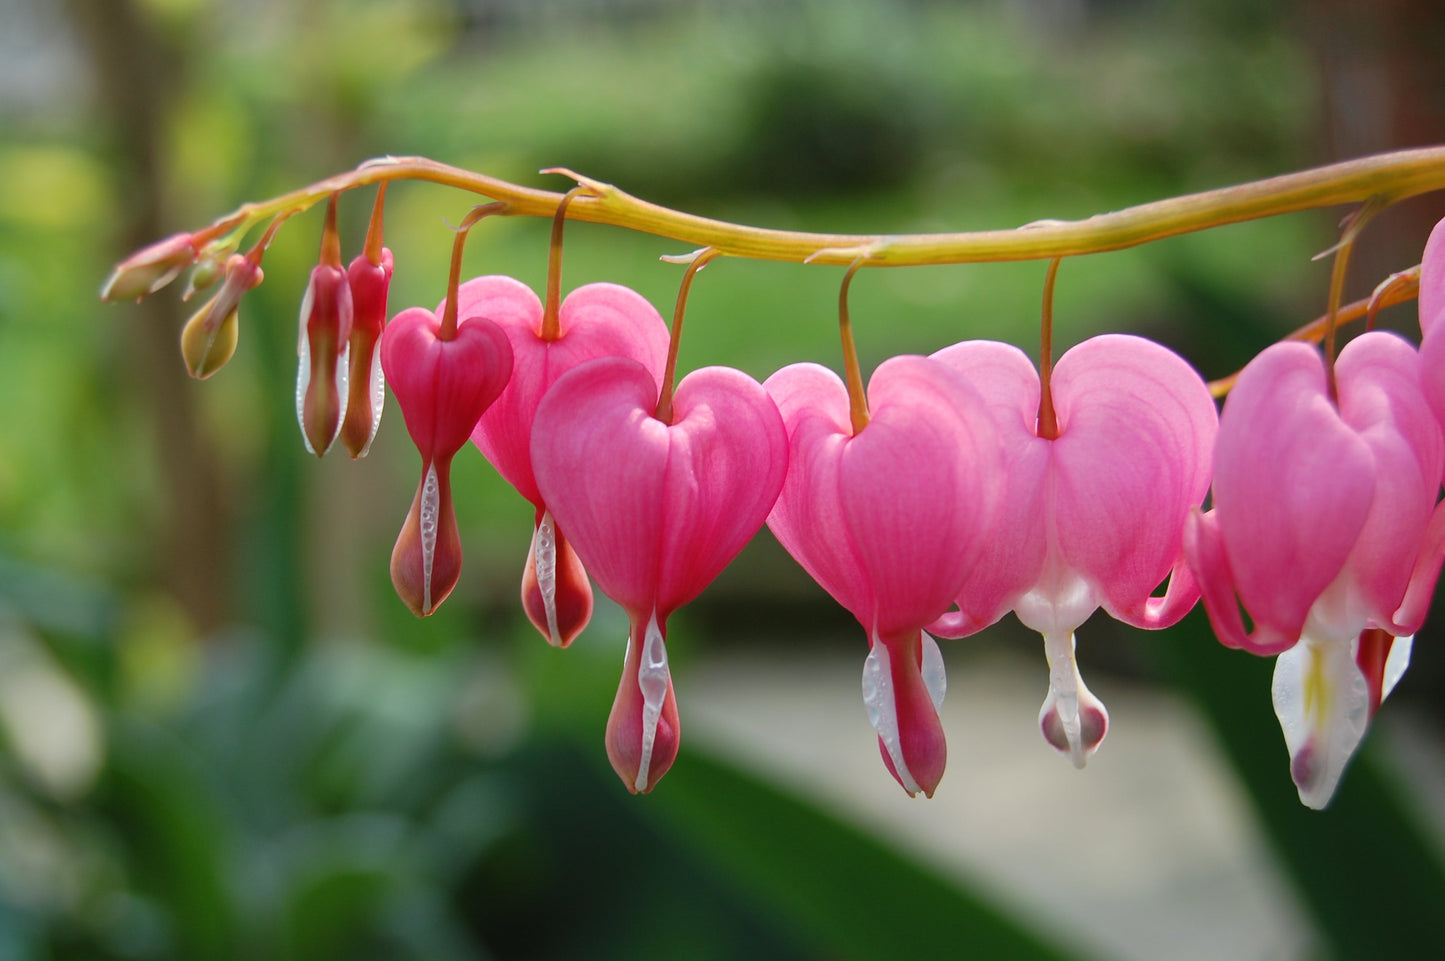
[(1381, 400), (600, 459), (1136, 433), (1432, 280), (1292, 486), (1012, 560), (598, 320), (1432, 373), (919, 487), (728, 459), (807, 518)]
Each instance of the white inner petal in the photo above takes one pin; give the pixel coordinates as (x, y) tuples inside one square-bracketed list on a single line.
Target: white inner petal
[(879, 701), (652, 678), (303, 375), (430, 511), (1322, 701), (378, 398), (1396, 664), (933, 674), (544, 555)]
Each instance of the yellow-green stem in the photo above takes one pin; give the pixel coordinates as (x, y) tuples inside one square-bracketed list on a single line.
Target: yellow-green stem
[(1389, 177)]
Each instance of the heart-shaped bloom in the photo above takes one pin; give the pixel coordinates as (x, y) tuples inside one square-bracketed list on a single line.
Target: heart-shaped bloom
[(1094, 516), (655, 511), (889, 521), (1432, 319), (443, 386), (598, 320), (1322, 529)]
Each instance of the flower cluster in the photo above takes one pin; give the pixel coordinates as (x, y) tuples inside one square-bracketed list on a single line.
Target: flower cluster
[(957, 488)]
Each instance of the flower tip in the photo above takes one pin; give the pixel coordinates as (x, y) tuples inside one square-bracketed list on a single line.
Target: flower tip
[(556, 595), (149, 269), (426, 562), (207, 344), (643, 731)]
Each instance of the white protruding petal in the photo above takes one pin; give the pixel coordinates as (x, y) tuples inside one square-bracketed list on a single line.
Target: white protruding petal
[(1072, 719), (1396, 663), (378, 398), (303, 371), (544, 555), (430, 515), (933, 674), (652, 679), (343, 389), (878, 700), (1322, 701)]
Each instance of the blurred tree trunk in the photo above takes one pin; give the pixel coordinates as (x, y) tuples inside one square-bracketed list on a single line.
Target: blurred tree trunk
[(134, 74)]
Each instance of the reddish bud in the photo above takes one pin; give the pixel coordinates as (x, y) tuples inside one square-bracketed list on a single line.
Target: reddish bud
[(209, 338), (149, 269), (322, 348), (369, 284), (643, 732), (555, 591)]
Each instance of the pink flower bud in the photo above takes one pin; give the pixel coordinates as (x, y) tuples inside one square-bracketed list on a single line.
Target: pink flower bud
[(369, 284), (322, 348), (149, 269), (209, 338)]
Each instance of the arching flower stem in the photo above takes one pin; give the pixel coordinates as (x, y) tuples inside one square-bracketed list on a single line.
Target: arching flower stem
[(852, 372), (448, 329), (1048, 421), (1389, 177), (551, 317), (697, 261), (1353, 225)]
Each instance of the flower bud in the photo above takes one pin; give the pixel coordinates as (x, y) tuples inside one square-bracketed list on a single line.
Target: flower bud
[(322, 347), (369, 284), (149, 269), (209, 338)]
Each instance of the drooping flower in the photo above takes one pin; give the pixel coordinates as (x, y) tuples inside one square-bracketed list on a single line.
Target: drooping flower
[(1325, 530), (655, 510), (150, 268), (323, 345), (1432, 321), (443, 385), (889, 521), (1092, 517), (598, 320)]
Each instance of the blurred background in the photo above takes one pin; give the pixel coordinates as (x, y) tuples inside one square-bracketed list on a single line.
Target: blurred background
[(221, 734)]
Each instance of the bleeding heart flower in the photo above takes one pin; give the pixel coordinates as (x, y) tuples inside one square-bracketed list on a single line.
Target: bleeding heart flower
[(443, 386), (1324, 526), (1432, 318), (655, 511), (598, 320), (1094, 516), (889, 521)]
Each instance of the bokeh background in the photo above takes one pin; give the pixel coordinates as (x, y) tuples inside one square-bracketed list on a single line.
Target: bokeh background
[(223, 737)]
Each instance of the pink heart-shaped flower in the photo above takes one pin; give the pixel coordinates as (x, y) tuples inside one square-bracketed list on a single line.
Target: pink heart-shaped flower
[(655, 511)]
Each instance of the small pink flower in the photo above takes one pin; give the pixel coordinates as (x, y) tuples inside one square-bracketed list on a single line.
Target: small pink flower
[(149, 269), (889, 522), (323, 351), (1093, 517), (655, 510), (1324, 526), (443, 386), (598, 320)]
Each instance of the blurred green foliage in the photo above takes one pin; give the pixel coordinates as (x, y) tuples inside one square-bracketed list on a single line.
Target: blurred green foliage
[(323, 777)]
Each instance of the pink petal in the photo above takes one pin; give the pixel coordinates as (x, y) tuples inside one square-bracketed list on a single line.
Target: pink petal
[(598, 320), (1011, 560), (1432, 279), (1292, 488), (903, 709), (1136, 432)]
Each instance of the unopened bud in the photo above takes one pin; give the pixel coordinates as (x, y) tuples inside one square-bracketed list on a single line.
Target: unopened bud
[(426, 561), (369, 284), (209, 338), (149, 269), (323, 346), (555, 591)]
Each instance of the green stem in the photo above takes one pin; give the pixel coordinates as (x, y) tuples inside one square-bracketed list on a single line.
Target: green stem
[(1385, 177)]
